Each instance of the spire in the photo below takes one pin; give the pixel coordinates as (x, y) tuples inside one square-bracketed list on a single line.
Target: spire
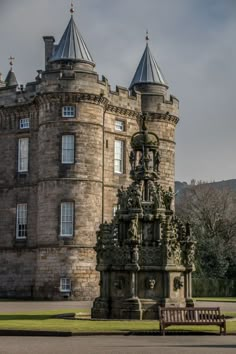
[(11, 77), (72, 46), (148, 71)]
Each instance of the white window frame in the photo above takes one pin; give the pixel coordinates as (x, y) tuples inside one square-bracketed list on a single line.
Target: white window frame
[(67, 219), (65, 285), (119, 125), (119, 156), (24, 123), (23, 154), (21, 221), (68, 111), (67, 149)]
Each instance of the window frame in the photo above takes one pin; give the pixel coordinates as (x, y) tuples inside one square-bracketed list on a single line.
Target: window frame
[(65, 111), (122, 159), (65, 285), (22, 123), (25, 230), (72, 221), (122, 125), (63, 161), (20, 156)]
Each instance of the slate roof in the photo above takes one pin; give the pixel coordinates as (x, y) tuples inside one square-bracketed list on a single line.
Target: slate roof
[(148, 70), (11, 79), (71, 46)]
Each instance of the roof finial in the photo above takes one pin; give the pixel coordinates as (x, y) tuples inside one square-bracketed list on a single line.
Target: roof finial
[(147, 36), (72, 10), (11, 62)]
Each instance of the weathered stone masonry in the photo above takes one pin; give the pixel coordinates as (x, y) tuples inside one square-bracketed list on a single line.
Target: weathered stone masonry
[(33, 267)]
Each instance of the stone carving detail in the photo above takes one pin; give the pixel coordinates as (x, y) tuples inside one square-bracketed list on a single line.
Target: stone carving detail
[(150, 255), (178, 283), (133, 232), (150, 283), (167, 198), (145, 236)]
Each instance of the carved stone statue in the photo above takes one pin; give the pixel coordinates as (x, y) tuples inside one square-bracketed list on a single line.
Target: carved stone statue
[(132, 159), (122, 198), (167, 198), (133, 230)]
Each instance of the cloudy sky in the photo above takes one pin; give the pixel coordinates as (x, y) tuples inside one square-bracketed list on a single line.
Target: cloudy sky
[(192, 40)]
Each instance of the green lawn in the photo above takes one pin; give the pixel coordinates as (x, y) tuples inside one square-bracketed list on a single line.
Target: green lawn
[(217, 299), (44, 321)]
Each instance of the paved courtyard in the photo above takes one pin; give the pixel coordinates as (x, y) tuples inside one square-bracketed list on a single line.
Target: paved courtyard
[(119, 345)]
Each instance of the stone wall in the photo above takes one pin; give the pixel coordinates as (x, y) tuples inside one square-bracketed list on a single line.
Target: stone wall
[(36, 264)]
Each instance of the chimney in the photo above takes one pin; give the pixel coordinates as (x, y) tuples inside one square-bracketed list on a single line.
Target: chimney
[(49, 47)]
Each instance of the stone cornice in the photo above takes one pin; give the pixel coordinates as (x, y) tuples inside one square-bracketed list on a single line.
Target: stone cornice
[(165, 117), (65, 98), (122, 111), (48, 98), (17, 110)]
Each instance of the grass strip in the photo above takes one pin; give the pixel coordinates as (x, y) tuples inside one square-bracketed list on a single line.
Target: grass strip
[(43, 321), (216, 299)]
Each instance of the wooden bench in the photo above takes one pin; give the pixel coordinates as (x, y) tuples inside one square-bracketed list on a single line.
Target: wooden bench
[(191, 316)]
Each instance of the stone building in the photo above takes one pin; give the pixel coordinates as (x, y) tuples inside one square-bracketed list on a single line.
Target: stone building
[(65, 145)]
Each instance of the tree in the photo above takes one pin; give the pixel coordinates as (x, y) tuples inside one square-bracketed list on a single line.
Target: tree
[(212, 213)]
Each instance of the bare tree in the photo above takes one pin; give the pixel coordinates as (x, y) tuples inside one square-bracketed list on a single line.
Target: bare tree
[(212, 212)]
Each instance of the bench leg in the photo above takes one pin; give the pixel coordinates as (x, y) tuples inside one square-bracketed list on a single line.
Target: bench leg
[(225, 328)]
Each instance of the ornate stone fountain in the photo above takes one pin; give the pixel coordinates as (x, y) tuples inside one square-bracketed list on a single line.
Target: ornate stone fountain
[(146, 255)]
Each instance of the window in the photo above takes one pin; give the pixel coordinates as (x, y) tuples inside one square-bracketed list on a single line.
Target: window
[(68, 111), (24, 123), (67, 219), (23, 154), (119, 125), (119, 156), (21, 221), (68, 149), (65, 285)]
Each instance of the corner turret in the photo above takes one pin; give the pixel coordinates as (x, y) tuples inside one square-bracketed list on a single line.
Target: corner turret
[(71, 48), (11, 77), (148, 71)]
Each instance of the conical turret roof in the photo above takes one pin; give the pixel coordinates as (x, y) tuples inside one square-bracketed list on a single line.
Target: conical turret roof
[(148, 70), (72, 46), (11, 79)]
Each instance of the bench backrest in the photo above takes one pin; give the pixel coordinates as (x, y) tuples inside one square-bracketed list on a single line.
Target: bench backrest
[(189, 314)]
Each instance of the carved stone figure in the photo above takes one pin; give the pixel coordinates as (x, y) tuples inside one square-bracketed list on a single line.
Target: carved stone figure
[(167, 198), (133, 230), (122, 198), (135, 196), (150, 283), (178, 283), (132, 160), (156, 161)]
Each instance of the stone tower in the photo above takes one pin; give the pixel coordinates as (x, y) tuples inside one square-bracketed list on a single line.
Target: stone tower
[(162, 109), (65, 147), (145, 257)]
